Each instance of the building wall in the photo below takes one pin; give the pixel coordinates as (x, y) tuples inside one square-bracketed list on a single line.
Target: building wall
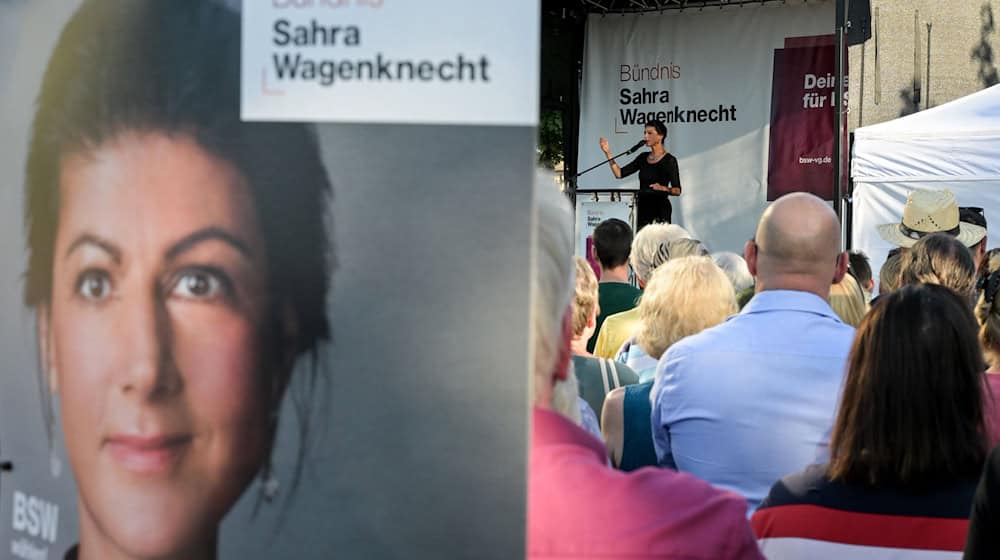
[(963, 54)]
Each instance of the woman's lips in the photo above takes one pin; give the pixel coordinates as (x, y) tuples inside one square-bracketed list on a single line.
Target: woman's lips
[(147, 454)]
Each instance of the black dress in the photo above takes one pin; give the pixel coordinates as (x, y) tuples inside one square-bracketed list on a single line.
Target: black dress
[(654, 206)]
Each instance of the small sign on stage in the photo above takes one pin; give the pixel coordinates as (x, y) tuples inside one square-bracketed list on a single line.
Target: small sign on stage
[(391, 61)]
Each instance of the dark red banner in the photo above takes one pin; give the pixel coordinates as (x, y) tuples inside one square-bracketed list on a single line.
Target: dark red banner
[(800, 152)]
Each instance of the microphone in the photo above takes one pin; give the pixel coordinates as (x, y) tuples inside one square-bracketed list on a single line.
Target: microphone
[(638, 145)]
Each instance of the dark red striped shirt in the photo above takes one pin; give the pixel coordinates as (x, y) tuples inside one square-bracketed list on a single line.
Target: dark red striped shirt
[(808, 516)]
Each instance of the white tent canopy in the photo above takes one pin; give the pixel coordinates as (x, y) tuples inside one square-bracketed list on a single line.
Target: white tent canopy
[(954, 146)]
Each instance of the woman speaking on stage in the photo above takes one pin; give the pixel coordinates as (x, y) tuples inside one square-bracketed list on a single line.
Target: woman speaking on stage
[(658, 175)]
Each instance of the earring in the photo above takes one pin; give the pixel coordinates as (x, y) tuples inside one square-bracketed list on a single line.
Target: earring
[(55, 462), (269, 483)]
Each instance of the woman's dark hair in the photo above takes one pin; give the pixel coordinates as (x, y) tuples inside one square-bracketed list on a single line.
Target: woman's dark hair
[(940, 258), (658, 125), (859, 267), (173, 67), (912, 411)]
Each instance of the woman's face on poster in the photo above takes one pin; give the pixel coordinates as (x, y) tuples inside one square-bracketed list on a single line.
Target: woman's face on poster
[(152, 340)]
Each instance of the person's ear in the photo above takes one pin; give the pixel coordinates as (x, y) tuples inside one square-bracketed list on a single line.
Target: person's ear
[(750, 255), (45, 347), (841, 269)]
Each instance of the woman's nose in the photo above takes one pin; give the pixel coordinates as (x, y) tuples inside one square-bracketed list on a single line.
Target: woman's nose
[(149, 370)]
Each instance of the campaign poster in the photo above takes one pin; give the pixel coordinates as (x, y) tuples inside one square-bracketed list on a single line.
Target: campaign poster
[(800, 148), (240, 318), (591, 210)]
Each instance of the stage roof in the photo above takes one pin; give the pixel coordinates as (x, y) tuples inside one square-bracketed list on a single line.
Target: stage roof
[(638, 6)]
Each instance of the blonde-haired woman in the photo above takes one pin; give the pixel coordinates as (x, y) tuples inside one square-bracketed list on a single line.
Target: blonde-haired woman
[(988, 315), (596, 376), (654, 245), (684, 297), (686, 300), (585, 306), (848, 300)]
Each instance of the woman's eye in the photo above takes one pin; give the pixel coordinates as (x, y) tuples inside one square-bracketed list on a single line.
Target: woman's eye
[(94, 285), (198, 285)]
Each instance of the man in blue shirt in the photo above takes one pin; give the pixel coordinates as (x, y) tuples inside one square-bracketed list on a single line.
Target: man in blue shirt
[(746, 402)]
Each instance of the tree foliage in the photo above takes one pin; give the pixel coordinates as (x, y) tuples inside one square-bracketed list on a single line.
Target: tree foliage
[(550, 139)]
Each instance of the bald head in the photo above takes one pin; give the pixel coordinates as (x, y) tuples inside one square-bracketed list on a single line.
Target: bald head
[(798, 245)]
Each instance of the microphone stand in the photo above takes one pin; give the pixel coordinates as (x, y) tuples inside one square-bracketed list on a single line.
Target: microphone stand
[(596, 165), (571, 181)]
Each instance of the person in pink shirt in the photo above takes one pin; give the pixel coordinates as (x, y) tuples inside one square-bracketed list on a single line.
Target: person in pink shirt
[(579, 507), (988, 314)]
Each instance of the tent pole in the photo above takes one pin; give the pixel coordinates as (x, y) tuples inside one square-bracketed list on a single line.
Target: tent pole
[(838, 103)]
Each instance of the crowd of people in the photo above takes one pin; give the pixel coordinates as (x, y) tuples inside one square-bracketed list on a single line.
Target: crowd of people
[(771, 405)]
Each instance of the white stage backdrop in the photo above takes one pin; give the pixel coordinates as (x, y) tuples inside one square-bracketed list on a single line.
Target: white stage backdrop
[(708, 75)]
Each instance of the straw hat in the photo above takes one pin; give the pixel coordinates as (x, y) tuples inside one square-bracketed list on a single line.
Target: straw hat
[(928, 212)]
